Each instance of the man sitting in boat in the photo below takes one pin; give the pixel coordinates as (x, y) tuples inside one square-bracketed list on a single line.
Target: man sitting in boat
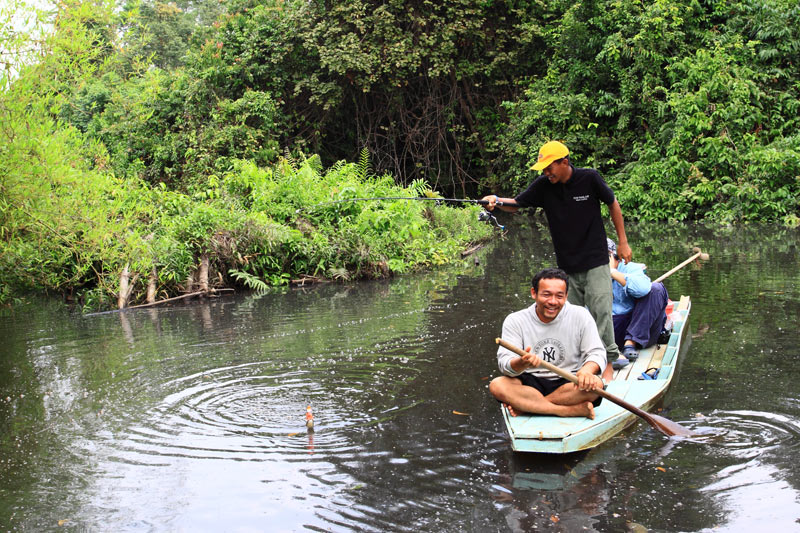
[(638, 309), (560, 333)]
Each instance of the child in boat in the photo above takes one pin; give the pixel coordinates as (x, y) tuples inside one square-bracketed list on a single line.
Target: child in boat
[(638, 309)]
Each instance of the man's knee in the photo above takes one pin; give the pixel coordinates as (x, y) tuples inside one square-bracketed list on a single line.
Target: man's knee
[(498, 387)]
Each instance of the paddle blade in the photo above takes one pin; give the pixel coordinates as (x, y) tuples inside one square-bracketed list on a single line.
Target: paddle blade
[(668, 427)]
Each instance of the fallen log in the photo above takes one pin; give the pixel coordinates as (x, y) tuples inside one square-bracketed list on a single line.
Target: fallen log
[(308, 280), (165, 300), (472, 250)]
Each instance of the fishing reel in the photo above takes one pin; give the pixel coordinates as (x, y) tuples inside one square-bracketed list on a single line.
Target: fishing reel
[(486, 216)]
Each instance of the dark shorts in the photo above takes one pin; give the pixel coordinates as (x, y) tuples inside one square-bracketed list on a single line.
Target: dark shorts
[(546, 386)]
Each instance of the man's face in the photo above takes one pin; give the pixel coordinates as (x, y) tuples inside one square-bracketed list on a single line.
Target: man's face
[(550, 298), (558, 171)]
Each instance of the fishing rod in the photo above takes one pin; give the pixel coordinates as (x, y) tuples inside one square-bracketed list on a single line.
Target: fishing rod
[(483, 216), (417, 198)]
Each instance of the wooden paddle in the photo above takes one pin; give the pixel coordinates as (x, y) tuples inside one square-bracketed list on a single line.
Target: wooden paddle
[(664, 425), (697, 254)]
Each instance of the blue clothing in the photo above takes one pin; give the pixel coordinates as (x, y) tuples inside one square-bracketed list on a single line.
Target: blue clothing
[(637, 285), (643, 324), (639, 306)]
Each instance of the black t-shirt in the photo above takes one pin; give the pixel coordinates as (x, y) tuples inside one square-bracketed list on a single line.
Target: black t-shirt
[(573, 214)]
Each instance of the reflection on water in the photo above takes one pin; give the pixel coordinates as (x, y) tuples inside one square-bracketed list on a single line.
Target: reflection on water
[(193, 417)]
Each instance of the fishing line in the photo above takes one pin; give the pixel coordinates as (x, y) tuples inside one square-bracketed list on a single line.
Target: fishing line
[(483, 216), (417, 198)]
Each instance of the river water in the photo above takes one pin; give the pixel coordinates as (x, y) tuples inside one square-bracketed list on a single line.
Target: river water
[(192, 417)]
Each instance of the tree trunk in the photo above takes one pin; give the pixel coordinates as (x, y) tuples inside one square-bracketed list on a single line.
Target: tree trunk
[(125, 287), (203, 275), (151, 286), (122, 296)]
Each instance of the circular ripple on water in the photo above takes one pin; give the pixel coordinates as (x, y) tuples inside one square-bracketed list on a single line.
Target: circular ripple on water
[(746, 433), (240, 413)]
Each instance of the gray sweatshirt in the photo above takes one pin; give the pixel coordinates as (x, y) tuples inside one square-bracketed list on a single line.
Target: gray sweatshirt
[(569, 341)]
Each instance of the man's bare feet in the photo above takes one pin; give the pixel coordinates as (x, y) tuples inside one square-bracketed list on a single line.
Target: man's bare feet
[(579, 409)]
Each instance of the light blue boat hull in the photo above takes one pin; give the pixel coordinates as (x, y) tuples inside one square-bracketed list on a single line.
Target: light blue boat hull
[(553, 434)]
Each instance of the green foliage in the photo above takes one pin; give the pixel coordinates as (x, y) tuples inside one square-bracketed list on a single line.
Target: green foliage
[(249, 281), (684, 117), (62, 219), (72, 228), (459, 93), (151, 135), (169, 128), (348, 239), (163, 32), (717, 157), (417, 83)]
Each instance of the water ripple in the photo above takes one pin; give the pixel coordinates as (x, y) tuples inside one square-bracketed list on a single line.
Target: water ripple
[(256, 411), (747, 433)]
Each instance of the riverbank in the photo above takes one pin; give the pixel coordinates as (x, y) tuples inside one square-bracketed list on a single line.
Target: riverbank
[(105, 242)]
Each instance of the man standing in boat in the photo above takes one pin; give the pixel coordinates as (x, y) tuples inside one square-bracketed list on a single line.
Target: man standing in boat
[(571, 197), (560, 333)]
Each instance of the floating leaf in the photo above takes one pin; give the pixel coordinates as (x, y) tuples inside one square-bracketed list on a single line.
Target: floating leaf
[(661, 468), (460, 413), (554, 519)]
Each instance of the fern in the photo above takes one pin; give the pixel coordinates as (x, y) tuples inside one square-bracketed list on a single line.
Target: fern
[(364, 167), (419, 188), (287, 155), (338, 273), (250, 281)]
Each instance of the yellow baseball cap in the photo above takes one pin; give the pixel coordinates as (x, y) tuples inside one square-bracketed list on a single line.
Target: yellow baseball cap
[(549, 152)]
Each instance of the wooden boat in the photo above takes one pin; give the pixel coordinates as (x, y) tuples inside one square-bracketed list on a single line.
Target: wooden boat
[(553, 434)]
